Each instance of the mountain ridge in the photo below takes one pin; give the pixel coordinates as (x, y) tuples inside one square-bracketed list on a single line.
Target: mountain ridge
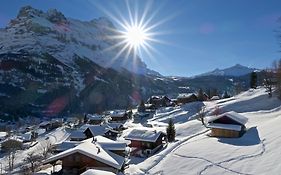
[(236, 70)]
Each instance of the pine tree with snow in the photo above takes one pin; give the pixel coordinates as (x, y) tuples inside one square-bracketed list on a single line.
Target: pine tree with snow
[(171, 131)]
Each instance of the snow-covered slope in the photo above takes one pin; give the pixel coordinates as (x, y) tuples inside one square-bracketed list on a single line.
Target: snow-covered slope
[(256, 152), (236, 70), (65, 38)]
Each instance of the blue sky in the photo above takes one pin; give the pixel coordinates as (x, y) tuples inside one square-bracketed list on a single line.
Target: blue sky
[(199, 35)]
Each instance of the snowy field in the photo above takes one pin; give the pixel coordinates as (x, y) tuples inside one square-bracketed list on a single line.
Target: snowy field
[(256, 152)]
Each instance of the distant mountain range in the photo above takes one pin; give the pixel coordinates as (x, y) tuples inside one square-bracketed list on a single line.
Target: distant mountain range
[(236, 71)]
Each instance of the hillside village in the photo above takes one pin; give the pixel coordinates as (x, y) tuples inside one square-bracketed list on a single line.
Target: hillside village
[(77, 97), (135, 141)]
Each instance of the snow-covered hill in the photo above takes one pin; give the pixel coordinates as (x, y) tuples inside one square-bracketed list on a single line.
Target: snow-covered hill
[(256, 152), (236, 70)]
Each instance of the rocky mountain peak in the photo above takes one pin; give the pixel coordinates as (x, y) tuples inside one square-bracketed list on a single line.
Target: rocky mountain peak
[(28, 11), (55, 16)]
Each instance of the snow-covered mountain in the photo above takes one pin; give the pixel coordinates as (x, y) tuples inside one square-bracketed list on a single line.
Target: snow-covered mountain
[(65, 38), (236, 70)]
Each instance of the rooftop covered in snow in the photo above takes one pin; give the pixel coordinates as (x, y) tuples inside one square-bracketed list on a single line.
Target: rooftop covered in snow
[(91, 150), (146, 135), (232, 115)]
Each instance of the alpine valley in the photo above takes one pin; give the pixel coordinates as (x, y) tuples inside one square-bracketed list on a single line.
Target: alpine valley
[(53, 65)]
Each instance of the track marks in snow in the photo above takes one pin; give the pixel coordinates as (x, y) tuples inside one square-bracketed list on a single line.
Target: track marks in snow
[(219, 164)]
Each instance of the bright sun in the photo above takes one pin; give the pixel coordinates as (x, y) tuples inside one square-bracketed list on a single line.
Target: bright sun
[(135, 36)]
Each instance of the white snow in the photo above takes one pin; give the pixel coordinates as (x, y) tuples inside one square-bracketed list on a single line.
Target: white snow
[(194, 152), (97, 172)]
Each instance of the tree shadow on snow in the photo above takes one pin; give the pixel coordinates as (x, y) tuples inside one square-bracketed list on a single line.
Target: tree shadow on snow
[(250, 138)]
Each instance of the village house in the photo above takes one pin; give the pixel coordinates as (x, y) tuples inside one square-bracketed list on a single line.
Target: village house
[(3, 135), (102, 130), (116, 126), (119, 148), (229, 124), (159, 101), (215, 97), (118, 116), (49, 125), (145, 141), (186, 98), (94, 119), (87, 155)]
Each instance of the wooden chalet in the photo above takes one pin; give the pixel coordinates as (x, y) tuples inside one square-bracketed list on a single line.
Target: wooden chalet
[(87, 155), (159, 101), (229, 124), (100, 130), (186, 98), (94, 119), (118, 116), (146, 140)]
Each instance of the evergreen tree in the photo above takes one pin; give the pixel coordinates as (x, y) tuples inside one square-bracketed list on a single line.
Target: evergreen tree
[(253, 81), (171, 131), (200, 95), (141, 107), (225, 95)]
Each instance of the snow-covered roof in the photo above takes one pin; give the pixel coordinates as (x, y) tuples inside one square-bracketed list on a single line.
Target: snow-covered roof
[(108, 143), (97, 129), (215, 98), (67, 145), (143, 135), (3, 134), (186, 95), (94, 151), (115, 125), (233, 115), (117, 113), (26, 136), (77, 135), (225, 126), (97, 172), (94, 117), (40, 131), (44, 123)]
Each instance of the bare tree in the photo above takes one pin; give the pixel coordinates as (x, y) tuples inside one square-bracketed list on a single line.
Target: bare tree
[(201, 114), (32, 159), (11, 159), (46, 148)]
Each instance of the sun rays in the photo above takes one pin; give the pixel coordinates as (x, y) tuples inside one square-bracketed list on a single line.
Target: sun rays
[(136, 32)]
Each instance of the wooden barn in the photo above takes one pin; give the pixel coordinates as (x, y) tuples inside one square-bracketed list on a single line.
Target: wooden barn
[(186, 98), (87, 155), (229, 124)]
